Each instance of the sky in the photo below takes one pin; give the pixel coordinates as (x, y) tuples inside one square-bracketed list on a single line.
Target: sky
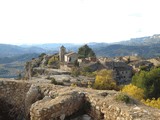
[(77, 21)]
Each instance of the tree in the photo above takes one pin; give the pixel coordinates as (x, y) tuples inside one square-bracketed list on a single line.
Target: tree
[(104, 80), (85, 51), (149, 81)]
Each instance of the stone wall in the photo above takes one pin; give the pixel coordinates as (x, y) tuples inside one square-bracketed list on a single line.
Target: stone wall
[(100, 105), (12, 94), (37, 101), (58, 108), (13, 91), (105, 104)]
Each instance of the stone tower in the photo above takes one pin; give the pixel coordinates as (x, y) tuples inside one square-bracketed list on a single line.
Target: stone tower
[(62, 52)]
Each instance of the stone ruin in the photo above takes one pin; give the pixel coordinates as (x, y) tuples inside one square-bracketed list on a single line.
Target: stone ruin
[(21, 100)]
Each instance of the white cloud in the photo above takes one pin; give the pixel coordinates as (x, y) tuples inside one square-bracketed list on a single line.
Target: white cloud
[(43, 21)]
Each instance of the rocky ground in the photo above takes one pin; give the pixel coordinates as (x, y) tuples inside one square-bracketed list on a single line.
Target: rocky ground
[(60, 76)]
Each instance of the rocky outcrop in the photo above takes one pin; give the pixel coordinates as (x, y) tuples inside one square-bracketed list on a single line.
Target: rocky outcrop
[(48, 102), (33, 95), (48, 71), (34, 63), (40, 66)]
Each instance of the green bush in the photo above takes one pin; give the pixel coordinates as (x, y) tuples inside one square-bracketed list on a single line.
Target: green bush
[(87, 69), (122, 97), (75, 72), (53, 60), (73, 85), (53, 81)]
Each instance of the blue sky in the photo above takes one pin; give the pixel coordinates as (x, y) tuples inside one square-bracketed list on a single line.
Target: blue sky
[(77, 21)]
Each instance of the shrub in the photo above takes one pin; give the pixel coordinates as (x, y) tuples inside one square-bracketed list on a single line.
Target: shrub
[(75, 72), (53, 60), (89, 84), (153, 102), (73, 85), (144, 68), (122, 97), (133, 91), (87, 69), (53, 81), (104, 80)]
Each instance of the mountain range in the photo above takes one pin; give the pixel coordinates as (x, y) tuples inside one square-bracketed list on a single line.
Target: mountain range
[(140, 46), (13, 57), (149, 40)]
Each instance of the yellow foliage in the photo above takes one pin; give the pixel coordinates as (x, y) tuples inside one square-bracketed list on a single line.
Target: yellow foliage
[(73, 85), (104, 80), (89, 84), (153, 102), (138, 94), (133, 91), (52, 60)]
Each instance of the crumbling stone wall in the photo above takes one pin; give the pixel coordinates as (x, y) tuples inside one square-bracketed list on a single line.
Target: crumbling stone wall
[(58, 108), (47, 102), (13, 93), (104, 106)]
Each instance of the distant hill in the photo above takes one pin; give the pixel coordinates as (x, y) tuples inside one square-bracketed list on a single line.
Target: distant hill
[(146, 51), (11, 66), (55, 46), (149, 40), (18, 58), (14, 50), (145, 46)]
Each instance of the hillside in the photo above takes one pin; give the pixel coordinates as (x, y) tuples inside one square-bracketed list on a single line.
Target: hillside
[(14, 50), (146, 51), (10, 67), (145, 46), (18, 58), (149, 40)]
